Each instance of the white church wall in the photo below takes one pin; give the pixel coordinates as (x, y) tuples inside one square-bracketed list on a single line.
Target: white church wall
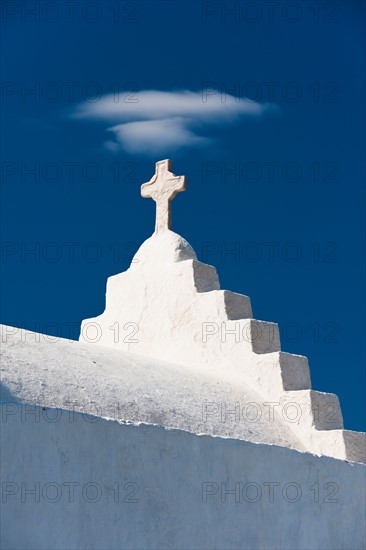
[(100, 484)]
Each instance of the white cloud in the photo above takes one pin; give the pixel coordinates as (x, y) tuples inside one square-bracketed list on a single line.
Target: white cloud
[(155, 136), (154, 122)]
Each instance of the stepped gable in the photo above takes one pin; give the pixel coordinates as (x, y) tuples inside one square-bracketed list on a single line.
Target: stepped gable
[(169, 306), (173, 349)]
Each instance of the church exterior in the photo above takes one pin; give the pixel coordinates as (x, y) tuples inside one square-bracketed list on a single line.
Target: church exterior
[(175, 422)]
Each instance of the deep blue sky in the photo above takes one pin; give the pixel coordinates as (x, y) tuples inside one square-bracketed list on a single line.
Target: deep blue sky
[(318, 300)]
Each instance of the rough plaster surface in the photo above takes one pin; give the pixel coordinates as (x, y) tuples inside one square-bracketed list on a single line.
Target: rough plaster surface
[(169, 306), (167, 472), (115, 384)]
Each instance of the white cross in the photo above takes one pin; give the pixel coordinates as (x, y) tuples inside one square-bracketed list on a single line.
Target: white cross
[(162, 188)]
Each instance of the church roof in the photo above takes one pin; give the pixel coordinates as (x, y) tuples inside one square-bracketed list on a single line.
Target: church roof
[(113, 384), (172, 348)]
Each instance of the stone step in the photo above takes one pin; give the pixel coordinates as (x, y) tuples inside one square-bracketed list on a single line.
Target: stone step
[(279, 372), (295, 372), (310, 408), (226, 305), (326, 411), (355, 446), (264, 336), (205, 277), (340, 444), (235, 339), (236, 306)]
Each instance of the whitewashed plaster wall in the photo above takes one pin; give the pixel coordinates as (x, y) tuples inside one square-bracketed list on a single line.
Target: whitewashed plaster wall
[(176, 479)]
